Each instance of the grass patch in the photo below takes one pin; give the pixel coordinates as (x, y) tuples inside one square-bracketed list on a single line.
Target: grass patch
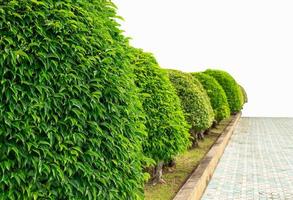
[(185, 165)]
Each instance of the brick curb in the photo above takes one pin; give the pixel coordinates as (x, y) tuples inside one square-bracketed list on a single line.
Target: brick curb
[(195, 186)]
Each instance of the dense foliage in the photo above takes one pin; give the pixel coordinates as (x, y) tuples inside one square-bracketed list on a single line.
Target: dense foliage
[(69, 114), (244, 94), (231, 88), (194, 100), (166, 126), (216, 95)]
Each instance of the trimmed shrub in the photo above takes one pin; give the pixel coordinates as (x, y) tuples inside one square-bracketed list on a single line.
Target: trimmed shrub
[(244, 94), (230, 87), (70, 117), (216, 95), (166, 126), (195, 102)]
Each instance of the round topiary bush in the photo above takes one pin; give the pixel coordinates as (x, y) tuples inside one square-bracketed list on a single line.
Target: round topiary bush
[(216, 95), (195, 102), (70, 117), (166, 126), (244, 94), (230, 87)]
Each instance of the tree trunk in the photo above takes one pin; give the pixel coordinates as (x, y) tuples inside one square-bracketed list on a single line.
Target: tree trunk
[(157, 173), (194, 139), (170, 163), (215, 123), (200, 135)]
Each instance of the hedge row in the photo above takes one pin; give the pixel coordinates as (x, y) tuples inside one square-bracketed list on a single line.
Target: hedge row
[(71, 122), (165, 123), (231, 88), (194, 100), (83, 113), (216, 94)]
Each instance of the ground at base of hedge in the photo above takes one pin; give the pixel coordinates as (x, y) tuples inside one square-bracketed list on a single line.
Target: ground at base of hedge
[(185, 165)]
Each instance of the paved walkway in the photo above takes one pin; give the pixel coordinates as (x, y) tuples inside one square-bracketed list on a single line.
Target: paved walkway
[(257, 163)]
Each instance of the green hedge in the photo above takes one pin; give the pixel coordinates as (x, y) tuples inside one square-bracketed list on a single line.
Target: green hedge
[(194, 100), (166, 126), (230, 87), (69, 113), (216, 95), (244, 94)]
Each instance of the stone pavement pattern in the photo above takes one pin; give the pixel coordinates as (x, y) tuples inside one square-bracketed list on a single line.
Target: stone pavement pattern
[(257, 163)]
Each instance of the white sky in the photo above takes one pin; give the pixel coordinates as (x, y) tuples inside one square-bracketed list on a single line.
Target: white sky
[(251, 39)]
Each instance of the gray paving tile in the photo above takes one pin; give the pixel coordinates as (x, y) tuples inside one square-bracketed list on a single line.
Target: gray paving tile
[(257, 163)]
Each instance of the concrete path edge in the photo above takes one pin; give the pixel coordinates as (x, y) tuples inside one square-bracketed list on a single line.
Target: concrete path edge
[(195, 186)]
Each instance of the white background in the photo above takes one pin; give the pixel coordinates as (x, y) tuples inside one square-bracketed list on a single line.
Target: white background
[(251, 39)]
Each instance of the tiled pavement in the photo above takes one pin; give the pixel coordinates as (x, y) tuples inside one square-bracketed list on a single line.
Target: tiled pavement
[(257, 163)]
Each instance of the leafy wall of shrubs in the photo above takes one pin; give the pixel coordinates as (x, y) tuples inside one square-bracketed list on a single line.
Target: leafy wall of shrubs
[(216, 95), (70, 117), (72, 123), (194, 101), (231, 88), (244, 94), (166, 126)]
